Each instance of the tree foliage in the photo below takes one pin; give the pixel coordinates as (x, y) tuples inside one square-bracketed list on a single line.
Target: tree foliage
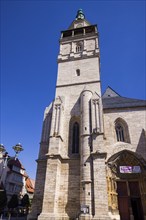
[(25, 202), (3, 199), (13, 203)]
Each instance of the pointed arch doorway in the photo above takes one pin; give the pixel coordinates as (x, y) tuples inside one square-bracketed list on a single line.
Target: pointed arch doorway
[(127, 173), (129, 200)]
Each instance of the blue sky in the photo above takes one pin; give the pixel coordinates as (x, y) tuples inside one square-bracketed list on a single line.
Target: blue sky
[(30, 32)]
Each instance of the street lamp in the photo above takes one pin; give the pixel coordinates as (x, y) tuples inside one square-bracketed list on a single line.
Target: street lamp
[(17, 148), (4, 159), (2, 148), (4, 155)]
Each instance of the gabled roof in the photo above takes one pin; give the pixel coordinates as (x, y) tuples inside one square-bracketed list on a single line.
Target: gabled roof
[(112, 99), (109, 92)]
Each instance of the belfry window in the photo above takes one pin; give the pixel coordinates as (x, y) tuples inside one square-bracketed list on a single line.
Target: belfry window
[(75, 138), (78, 48)]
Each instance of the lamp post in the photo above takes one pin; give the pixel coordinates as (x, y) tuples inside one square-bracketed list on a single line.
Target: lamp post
[(4, 157), (17, 148)]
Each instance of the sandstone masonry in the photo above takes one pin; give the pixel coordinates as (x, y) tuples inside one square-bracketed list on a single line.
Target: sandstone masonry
[(92, 159)]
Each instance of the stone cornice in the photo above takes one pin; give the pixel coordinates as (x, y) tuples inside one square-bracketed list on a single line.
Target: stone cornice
[(98, 154), (60, 60), (81, 83), (56, 136), (86, 181), (56, 156)]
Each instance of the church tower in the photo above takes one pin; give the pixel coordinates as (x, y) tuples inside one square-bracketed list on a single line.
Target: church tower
[(92, 158), (71, 164)]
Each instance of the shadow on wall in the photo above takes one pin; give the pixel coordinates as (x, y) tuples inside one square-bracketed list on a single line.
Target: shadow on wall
[(37, 201), (141, 147), (46, 132), (76, 108), (73, 198), (73, 204)]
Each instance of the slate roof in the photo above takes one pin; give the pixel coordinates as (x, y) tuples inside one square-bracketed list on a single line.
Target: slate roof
[(111, 99), (14, 162), (122, 102)]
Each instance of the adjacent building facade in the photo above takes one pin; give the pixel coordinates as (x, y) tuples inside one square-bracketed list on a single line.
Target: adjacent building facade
[(29, 187), (92, 159), (14, 179), (12, 176)]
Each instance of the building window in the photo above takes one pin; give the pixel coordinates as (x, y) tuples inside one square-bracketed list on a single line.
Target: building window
[(78, 48), (122, 131), (17, 169), (11, 187), (75, 138), (17, 177), (78, 72)]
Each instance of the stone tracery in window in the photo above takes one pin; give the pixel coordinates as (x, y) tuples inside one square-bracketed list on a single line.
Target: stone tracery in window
[(122, 131)]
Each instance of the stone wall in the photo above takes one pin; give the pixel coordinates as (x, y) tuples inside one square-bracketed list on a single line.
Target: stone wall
[(134, 118)]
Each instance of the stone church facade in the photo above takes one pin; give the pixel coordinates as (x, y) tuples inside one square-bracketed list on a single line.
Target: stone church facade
[(92, 158)]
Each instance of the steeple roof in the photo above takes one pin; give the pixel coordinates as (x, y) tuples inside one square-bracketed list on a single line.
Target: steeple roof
[(80, 14), (79, 21)]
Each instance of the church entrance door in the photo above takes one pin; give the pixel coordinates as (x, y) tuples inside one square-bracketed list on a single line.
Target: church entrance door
[(129, 199)]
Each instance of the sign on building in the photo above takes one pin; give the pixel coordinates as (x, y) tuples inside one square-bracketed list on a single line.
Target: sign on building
[(130, 169), (84, 209)]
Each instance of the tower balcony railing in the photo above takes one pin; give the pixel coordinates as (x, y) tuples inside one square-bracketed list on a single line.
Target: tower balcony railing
[(79, 32)]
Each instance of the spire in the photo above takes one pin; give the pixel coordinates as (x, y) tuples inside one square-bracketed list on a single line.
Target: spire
[(79, 21), (80, 15)]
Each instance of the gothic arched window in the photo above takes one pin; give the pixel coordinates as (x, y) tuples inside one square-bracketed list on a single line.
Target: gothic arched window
[(122, 131), (75, 138)]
